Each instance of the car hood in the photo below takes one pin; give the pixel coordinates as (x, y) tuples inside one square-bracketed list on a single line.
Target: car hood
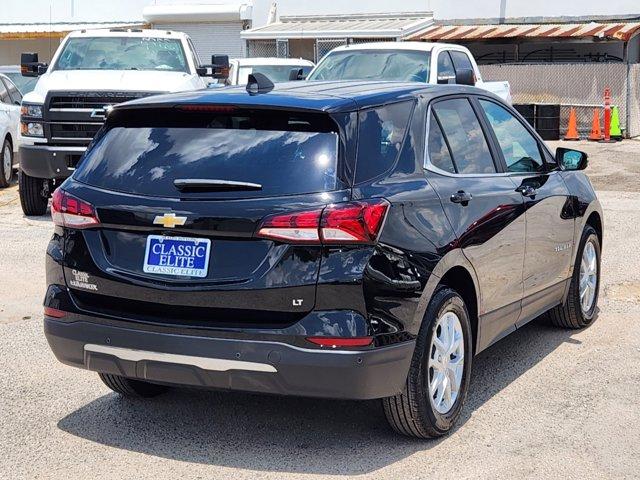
[(110, 80)]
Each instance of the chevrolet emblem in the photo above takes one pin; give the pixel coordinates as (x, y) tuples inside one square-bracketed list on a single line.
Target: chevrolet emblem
[(169, 220)]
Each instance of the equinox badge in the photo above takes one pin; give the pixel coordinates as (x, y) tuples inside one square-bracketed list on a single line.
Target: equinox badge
[(169, 220)]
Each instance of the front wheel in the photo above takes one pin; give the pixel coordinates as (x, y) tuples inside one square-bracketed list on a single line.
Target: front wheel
[(6, 164), (34, 196), (439, 375), (579, 309)]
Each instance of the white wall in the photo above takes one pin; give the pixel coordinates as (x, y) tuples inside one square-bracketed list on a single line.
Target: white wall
[(10, 50), (64, 11), (467, 9)]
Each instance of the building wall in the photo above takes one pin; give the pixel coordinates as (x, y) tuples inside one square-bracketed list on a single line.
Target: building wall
[(470, 9), (10, 50)]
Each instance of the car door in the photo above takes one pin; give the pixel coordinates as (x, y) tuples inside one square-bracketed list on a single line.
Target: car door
[(549, 231), (13, 109), (483, 208), (6, 118)]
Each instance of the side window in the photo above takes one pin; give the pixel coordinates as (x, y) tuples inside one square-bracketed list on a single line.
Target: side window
[(14, 93), (194, 54), (460, 60), (520, 149), (380, 135), (4, 94), (439, 154), (446, 73), (464, 134)]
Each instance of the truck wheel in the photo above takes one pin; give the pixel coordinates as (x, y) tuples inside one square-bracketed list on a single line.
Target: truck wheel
[(32, 197), (579, 309), (6, 164), (440, 370), (129, 387)]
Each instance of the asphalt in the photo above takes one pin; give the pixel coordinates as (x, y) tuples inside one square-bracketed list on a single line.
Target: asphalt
[(544, 402)]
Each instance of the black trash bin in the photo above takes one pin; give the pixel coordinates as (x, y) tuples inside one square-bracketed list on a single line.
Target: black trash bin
[(548, 121), (528, 111)]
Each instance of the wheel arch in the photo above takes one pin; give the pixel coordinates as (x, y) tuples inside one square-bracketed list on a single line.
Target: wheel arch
[(455, 271), (595, 221)]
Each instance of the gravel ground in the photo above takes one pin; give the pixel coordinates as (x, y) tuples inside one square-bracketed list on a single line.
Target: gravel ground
[(543, 402)]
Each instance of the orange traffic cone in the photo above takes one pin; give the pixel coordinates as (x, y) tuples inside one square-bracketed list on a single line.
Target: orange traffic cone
[(596, 133), (572, 131)]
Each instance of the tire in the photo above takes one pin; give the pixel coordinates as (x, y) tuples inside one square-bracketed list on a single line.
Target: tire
[(31, 198), (412, 412), (6, 164), (128, 387), (571, 314)]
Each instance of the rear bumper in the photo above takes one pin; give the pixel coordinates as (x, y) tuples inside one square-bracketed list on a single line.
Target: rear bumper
[(44, 161), (254, 366)]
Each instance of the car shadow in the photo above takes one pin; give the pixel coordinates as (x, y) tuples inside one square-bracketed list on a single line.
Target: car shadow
[(285, 434)]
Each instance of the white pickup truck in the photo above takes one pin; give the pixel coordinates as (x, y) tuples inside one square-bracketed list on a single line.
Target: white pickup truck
[(91, 71), (439, 63)]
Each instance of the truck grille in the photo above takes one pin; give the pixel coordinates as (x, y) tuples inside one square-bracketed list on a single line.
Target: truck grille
[(69, 120)]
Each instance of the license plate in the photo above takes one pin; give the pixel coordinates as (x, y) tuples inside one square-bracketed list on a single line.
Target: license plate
[(177, 256)]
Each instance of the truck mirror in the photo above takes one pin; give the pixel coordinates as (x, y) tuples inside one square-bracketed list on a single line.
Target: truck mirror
[(30, 66), (219, 67), (298, 74), (465, 76)]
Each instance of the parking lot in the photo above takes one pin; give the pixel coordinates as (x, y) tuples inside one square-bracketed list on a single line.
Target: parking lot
[(543, 402)]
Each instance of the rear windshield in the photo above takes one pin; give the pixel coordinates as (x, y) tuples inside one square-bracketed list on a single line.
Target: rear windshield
[(147, 160), (275, 73)]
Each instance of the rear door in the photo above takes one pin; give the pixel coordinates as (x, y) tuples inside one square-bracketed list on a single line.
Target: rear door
[(483, 208), (549, 233), (167, 185)]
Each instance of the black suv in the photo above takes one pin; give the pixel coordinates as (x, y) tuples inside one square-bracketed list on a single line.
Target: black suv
[(347, 240)]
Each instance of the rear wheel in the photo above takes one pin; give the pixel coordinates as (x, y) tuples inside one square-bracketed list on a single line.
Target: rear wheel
[(129, 387), (579, 309), (439, 375), (34, 196), (6, 164)]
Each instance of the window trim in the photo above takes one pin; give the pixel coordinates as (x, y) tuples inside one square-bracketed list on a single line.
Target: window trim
[(526, 126), (500, 172)]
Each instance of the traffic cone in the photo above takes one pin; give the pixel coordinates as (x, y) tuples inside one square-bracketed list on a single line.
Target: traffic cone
[(596, 133), (572, 131), (614, 131)]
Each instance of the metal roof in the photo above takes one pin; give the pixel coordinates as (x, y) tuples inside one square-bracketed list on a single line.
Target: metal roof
[(614, 31), (11, 31), (379, 25)]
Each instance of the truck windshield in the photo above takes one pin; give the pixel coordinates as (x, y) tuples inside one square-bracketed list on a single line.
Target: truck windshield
[(122, 53), (393, 65)]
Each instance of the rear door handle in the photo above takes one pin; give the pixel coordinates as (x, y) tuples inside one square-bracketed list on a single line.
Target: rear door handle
[(461, 197), (527, 190)]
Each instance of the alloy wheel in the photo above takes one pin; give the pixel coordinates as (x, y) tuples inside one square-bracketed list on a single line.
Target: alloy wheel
[(6, 162), (588, 276), (446, 362)]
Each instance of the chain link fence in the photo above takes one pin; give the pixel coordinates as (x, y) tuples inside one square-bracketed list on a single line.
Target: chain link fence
[(262, 48), (575, 85)]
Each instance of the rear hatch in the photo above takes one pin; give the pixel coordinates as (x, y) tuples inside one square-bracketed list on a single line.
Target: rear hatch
[(179, 194)]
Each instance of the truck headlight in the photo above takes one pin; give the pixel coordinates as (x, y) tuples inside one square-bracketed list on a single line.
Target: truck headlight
[(31, 110), (31, 129)]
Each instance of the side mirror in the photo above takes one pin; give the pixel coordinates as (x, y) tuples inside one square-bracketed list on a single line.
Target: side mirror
[(219, 67), (299, 73), (571, 159), (466, 76), (30, 66)]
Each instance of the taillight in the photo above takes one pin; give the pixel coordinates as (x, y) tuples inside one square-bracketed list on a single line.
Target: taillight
[(70, 211), (335, 342), (353, 222)]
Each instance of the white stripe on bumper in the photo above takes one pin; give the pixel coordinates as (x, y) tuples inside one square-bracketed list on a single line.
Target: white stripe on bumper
[(213, 364)]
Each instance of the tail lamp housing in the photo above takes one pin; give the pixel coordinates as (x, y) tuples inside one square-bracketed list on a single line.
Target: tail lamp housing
[(72, 212), (342, 223)]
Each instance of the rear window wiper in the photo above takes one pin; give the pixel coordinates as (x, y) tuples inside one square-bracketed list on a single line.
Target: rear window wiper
[(213, 185)]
